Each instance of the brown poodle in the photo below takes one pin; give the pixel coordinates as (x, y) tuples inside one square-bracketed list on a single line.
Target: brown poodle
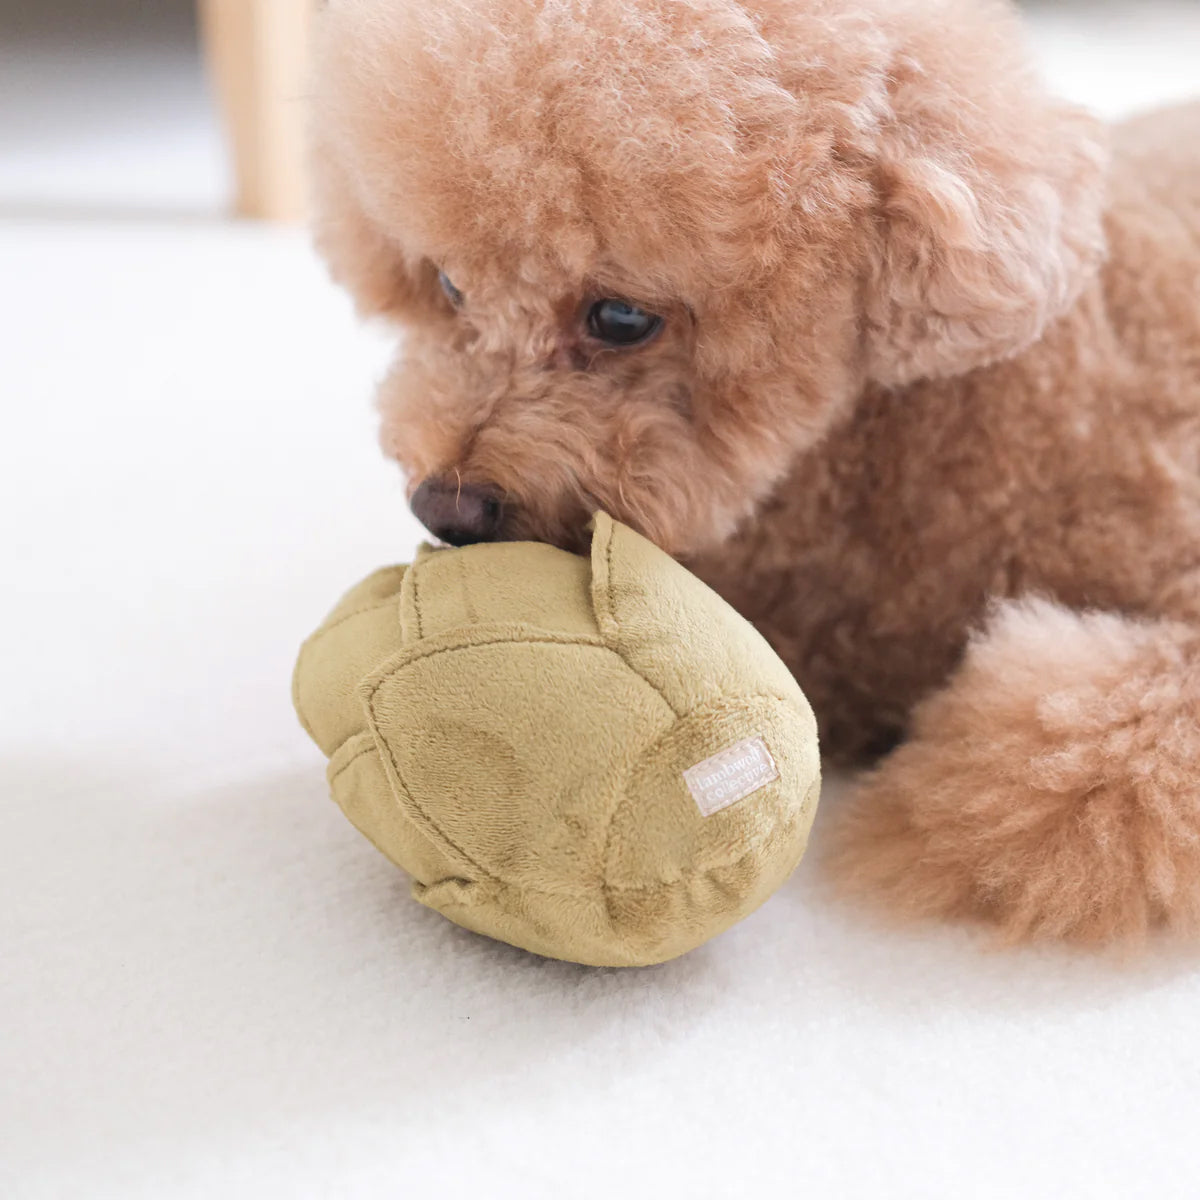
[(835, 303)]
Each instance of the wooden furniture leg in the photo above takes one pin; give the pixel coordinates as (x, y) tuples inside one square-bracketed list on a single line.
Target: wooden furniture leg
[(258, 57)]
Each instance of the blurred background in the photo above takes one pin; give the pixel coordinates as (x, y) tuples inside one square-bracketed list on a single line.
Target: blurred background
[(106, 106), (207, 974), (105, 110), (145, 105)]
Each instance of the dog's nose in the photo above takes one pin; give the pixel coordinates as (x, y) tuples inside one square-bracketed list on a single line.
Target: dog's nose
[(458, 513)]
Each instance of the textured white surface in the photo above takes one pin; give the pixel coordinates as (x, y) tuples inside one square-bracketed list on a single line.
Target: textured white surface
[(211, 986)]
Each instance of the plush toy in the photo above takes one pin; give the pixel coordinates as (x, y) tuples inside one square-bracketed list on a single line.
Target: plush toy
[(597, 760)]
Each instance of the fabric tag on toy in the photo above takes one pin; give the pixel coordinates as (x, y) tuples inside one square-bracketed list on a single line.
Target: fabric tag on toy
[(731, 775)]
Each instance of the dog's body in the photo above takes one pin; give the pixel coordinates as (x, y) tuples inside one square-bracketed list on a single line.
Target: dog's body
[(1070, 472), (928, 382)]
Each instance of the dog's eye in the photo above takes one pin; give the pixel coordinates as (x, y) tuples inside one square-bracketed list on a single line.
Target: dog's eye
[(452, 293), (621, 324)]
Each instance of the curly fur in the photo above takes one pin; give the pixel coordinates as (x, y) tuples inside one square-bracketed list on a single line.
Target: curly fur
[(926, 347), (1051, 782)]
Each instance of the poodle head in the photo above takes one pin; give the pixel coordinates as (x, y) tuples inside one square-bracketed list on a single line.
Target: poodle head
[(646, 252)]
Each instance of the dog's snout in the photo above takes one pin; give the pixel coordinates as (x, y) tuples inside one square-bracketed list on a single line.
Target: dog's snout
[(458, 513)]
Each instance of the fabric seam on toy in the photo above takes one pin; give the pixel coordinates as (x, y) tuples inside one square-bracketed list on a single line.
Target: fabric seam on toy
[(694, 872), (616, 625), (547, 638), (606, 622), (683, 877), (307, 645), (416, 598), (610, 605), (366, 749), (472, 616), (619, 807), (622, 793), (425, 817)]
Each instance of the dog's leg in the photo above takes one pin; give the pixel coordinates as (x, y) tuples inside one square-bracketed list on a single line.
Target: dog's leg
[(1051, 788)]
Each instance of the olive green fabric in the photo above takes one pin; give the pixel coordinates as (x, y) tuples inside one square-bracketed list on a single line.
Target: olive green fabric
[(510, 724)]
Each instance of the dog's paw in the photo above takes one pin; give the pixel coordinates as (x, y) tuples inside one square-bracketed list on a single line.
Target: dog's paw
[(1052, 788)]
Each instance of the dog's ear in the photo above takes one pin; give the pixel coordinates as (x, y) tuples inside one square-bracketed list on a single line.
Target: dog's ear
[(989, 203), (350, 170), (358, 253)]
